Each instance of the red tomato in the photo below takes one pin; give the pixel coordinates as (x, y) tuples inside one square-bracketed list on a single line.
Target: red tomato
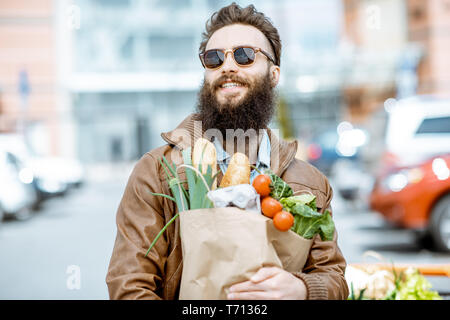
[(283, 220), (270, 206), (262, 184)]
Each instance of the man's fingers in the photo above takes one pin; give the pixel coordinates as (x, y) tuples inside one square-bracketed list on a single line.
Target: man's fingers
[(252, 295), (258, 282), (264, 273), (246, 286)]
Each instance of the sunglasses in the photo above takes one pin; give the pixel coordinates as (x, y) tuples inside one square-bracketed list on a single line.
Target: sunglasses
[(243, 56)]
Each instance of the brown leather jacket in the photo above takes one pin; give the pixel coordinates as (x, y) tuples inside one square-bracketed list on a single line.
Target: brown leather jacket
[(141, 216)]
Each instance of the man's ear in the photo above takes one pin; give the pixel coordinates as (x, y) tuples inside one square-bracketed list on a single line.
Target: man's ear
[(274, 75)]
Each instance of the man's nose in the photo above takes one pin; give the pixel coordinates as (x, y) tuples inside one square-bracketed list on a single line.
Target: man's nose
[(229, 65)]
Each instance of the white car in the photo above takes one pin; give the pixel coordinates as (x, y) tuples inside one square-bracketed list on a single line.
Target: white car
[(56, 175), (418, 128), (52, 175), (17, 195)]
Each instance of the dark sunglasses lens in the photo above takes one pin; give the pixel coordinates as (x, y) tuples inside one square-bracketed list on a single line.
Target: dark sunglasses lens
[(244, 56), (213, 59)]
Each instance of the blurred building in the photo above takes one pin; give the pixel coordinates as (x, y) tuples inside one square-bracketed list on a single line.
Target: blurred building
[(400, 49), (135, 70), (376, 36), (312, 64), (105, 77), (134, 73), (29, 84), (429, 26), (100, 79)]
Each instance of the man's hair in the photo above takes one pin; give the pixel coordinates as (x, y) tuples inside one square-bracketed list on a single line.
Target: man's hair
[(234, 14)]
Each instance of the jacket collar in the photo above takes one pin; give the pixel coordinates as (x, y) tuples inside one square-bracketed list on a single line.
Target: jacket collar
[(282, 152), (263, 151)]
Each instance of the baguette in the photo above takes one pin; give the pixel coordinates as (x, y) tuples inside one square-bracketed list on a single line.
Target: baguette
[(238, 171)]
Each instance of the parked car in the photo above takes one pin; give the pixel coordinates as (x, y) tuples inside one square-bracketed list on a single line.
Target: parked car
[(52, 175), (417, 197), (412, 188), (337, 143), (17, 196), (352, 181), (417, 128)]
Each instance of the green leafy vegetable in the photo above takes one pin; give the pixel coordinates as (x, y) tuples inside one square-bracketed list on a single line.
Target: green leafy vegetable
[(306, 199), (413, 286), (353, 296), (398, 278), (307, 220), (279, 188)]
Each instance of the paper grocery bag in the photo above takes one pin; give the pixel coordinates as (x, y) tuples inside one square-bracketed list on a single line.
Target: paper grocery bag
[(224, 246)]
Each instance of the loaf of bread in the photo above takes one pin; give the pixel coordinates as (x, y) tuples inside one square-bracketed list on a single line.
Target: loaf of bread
[(238, 171)]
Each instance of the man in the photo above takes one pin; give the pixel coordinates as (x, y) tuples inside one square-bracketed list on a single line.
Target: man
[(240, 52)]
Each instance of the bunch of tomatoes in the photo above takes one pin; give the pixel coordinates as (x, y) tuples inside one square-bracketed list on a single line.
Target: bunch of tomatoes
[(271, 207)]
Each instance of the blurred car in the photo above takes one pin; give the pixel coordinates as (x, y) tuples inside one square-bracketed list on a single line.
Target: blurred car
[(321, 150), (52, 175), (328, 146), (17, 196), (417, 197), (352, 182), (417, 128), (412, 186)]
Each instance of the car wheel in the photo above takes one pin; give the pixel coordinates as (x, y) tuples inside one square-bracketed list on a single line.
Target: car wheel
[(440, 224), (2, 215), (23, 214)]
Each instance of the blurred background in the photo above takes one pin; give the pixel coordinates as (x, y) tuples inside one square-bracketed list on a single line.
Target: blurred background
[(87, 86)]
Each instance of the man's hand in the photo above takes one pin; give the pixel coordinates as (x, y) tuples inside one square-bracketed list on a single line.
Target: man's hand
[(269, 284)]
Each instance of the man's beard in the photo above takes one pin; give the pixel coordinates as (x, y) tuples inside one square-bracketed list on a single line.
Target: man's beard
[(254, 111)]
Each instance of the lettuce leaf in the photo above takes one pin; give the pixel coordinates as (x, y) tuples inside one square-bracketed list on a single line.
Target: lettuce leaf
[(416, 287), (306, 199), (307, 220), (279, 188)]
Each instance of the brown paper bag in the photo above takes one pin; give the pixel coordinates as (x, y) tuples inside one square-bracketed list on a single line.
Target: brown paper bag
[(224, 246)]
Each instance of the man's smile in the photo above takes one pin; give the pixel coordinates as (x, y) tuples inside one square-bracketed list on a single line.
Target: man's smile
[(230, 87)]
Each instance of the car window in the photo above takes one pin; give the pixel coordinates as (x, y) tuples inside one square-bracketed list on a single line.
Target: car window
[(434, 125), (12, 160)]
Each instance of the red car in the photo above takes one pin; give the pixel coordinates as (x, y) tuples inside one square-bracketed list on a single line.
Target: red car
[(417, 197)]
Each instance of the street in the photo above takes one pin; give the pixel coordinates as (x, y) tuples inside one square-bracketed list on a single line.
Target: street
[(361, 230), (75, 230), (63, 251)]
